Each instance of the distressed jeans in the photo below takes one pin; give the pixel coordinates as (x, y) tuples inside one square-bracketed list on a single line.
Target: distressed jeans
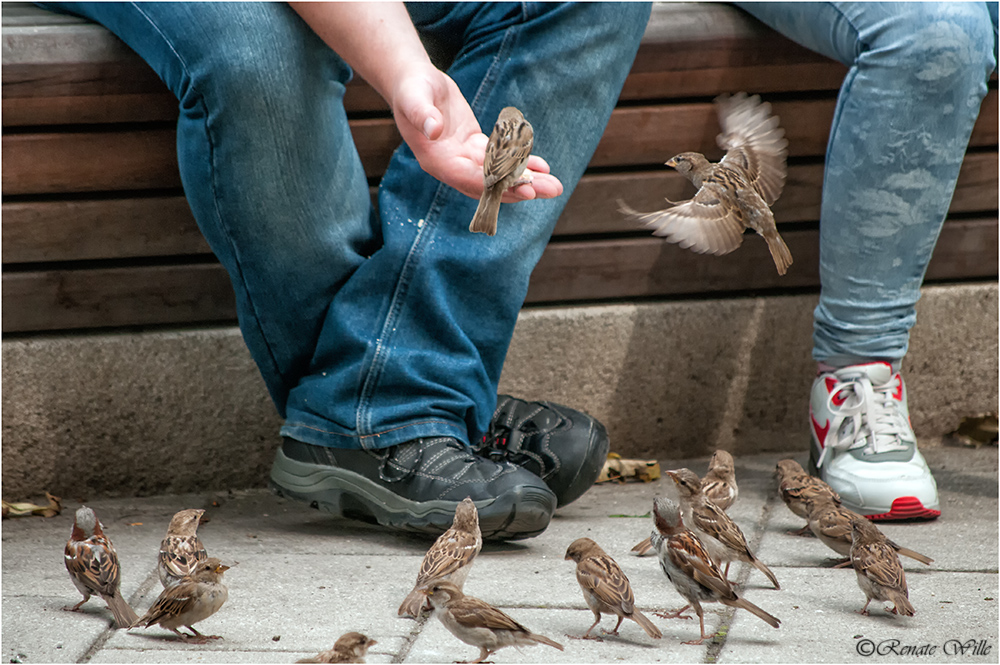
[(372, 328), (917, 74)]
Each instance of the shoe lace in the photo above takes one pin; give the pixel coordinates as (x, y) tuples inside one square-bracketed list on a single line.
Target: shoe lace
[(407, 467), (866, 416), (494, 445)]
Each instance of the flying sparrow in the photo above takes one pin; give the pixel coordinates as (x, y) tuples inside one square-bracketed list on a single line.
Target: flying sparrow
[(478, 623), (734, 194), (449, 558), (719, 484), (795, 486), (718, 532), (831, 523), (506, 156), (880, 574), (93, 566), (189, 601), (605, 587), (349, 648), (686, 563), (181, 550)]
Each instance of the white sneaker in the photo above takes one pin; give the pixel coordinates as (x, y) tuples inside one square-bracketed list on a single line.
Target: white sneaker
[(863, 445)]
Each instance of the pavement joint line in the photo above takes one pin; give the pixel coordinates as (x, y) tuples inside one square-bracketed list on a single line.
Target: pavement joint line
[(144, 589), (412, 637)]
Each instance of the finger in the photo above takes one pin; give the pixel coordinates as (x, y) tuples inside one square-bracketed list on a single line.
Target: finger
[(538, 165), (543, 186), (417, 107)]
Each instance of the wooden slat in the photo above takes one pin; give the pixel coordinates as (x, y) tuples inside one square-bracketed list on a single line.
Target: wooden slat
[(38, 163), (593, 208), (67, 299), (643, 267), (42, 231), (77, 230), (568, 271)]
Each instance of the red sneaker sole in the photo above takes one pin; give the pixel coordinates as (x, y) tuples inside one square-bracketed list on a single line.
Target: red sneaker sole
[(906, 508)]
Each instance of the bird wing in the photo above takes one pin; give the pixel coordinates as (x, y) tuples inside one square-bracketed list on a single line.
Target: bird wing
[(605, 579), (690, 556), (713, 520), (475, 613), (878, 561), (95, 563), (835, 523), (180, 555), (172, 602), (451, 551), (708, 223), (753, 141), (506, 153)]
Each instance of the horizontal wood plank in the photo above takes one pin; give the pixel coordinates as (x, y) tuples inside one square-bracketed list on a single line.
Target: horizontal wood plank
[(67, 162), (118, 228), (568, 271)]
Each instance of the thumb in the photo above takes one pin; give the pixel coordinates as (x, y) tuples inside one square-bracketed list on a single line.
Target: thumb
[(416, 103)]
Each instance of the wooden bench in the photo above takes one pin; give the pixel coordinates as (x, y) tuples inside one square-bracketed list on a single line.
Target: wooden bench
[(97, 234)]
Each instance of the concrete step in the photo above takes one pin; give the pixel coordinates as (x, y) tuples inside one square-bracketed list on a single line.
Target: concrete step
[(141, 413)]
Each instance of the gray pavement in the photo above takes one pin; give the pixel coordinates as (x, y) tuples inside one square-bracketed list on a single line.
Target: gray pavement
[(304, 578)]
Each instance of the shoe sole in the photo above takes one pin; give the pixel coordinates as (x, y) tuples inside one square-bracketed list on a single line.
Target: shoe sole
[(903, 507), (522, 512)]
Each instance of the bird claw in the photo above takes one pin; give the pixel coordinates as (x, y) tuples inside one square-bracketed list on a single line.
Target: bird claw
[(673, 614), (805, 532)]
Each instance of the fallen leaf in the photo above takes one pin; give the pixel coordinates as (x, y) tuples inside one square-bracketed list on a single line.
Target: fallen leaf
[(974, 431), (22, 509), (621, 470), (135, 523)]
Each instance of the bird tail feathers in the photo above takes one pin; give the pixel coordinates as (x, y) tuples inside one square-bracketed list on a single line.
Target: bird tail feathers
[(124, 615), (541, 639), (646, 624), (745, 604), (485, 219)]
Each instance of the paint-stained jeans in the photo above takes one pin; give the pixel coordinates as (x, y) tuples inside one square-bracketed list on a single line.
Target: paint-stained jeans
[(918, 73), (372, 329)]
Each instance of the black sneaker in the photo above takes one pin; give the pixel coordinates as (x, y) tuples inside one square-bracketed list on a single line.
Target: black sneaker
[(565, 448), (414, 486)]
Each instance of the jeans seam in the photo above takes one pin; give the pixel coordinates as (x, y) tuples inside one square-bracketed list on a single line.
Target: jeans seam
[(372, 435)]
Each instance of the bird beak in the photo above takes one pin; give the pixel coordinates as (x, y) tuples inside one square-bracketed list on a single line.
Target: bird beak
[(673, 476), (222, 569), (672, 163)]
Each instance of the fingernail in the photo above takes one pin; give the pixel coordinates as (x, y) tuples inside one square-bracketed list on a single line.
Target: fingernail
[(428, 127)]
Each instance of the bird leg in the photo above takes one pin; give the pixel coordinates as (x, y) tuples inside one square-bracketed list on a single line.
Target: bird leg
[(76, 608), (864, 610), (804, 531), (617, 625), (701, 621), (484, 653), (844, 564), (586, 636), (203, 637), (674, 614)]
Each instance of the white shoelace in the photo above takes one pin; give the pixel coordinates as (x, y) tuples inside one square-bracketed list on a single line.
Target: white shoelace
[(872, 417)]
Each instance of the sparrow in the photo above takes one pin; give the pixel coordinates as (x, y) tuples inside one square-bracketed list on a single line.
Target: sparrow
[(719, 533), (733, 194), (831, 523), (93, 566), (506, 156), (181, 550), (478, 623), (880, 574), (349, 648), (686, 563), (605, 587), (719, 484), (449, 558), (795, 486), (189, 601)]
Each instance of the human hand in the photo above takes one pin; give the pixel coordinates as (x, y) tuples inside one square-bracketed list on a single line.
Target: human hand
[(437, 123)]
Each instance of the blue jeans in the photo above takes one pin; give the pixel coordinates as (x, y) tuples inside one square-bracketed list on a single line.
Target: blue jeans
[(372, 328), (917, 74)]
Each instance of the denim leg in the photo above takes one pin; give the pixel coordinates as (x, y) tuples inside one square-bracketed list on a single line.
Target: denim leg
[(917, 74), (266, 159), (414, 342)]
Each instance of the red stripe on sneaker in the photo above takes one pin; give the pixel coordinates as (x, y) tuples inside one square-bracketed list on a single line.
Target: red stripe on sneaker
[(906, 508)]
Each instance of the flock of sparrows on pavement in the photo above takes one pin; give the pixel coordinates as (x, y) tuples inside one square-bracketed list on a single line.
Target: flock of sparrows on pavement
[(693, 538)]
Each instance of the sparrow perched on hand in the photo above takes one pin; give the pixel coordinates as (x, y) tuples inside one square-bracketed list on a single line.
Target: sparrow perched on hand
[(734, 194), (831, 523), (686, 563), (449, 558), (880, 574), (181, 550), (719, 484), (605, 587), (795, 486), (349, 648), (478, 623), (189, 601), (719, 533), (93, 566), (506, 156)]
